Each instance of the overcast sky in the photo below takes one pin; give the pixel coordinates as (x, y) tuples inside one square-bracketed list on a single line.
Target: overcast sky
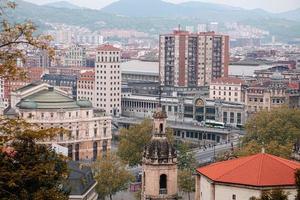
[(269, 5)]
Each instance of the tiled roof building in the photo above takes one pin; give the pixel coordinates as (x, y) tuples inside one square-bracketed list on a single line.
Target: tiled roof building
[(245, 177)]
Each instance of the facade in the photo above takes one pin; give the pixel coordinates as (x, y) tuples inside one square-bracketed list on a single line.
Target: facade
[(159, 179), (107, 94), (192, 60), (246, 177), (185, 109), (75, 56), (67, 83), (86, 86), (88, 131), (272, 93), (286, 73), (228, 89), (79, 189)]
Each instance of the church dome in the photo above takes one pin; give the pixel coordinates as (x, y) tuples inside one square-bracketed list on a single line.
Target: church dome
[(160, 149)]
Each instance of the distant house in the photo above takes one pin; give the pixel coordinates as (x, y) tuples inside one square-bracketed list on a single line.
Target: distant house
[(243, 178), (81, 183)]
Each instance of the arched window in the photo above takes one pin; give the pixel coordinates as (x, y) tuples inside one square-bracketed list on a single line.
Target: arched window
[(77, 152), (163, 184), (70, 151), (95, 150), (161, 128)]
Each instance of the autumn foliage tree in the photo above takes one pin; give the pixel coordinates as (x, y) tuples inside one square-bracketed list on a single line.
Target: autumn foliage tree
[(111, 176), (276, 130), (29, 170), (15, 40)]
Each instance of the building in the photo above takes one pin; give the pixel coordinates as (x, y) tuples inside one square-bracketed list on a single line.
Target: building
[(286, 72), (159, 164), (86, 86), (272, 93), (108, 80), (192, 60), (75, 56), (88, 131), (80, 183), (2, 100), (246, 177), (228, 89), (185, 109), (67, 83)]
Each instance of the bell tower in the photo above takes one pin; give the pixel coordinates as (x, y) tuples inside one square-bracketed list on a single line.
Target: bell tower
[(159, 163)]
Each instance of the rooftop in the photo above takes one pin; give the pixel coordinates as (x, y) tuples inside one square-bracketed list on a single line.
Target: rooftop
[(259, 170), (107, 47), (229, 80)]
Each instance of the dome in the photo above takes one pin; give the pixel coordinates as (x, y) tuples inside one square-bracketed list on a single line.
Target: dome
[(159, 148), (27, 104), (84, 103)]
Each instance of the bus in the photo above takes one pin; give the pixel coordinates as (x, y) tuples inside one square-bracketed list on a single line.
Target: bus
[(214, 124)]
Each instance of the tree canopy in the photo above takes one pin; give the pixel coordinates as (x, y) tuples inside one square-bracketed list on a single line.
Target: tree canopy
[(15, 40), (277, 131), (29, 170), (111, 176)]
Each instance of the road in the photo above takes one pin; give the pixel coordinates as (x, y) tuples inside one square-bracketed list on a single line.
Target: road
[(208, 154)]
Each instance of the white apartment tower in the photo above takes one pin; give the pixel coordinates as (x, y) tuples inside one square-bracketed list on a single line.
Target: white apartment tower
[(107, 94)]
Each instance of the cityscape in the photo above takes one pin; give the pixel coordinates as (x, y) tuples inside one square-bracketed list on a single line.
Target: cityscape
[(149, 100)]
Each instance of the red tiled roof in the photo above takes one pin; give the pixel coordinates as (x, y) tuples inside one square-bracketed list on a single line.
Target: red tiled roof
[(257, 170), (294, 86), (229, 80), (107, 47), (87, 76)]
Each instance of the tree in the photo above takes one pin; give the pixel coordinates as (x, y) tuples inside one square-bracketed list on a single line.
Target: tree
[(111, 176), (133, 141), (15, 40), (277, 194), (186, 165), (186, 158), (186, 181), (29, 170), (276, 130)]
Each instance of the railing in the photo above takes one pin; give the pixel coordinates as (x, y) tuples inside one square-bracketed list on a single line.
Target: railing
[(163, 191)]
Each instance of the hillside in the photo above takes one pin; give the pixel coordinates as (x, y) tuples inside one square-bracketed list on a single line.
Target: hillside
[(62, 4), (101, 19)]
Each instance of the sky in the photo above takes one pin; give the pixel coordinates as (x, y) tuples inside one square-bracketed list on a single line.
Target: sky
[(269, 5)]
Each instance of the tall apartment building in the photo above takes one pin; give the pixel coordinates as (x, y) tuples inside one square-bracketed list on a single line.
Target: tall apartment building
[(75, 56), (108, 80), (192, 59)]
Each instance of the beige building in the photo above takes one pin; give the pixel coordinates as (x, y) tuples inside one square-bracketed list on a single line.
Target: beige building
[(159, 179), (228, 89), (107, 94), (86, 86), (246, 177), (74, 56), (88, 130), (272, 93)]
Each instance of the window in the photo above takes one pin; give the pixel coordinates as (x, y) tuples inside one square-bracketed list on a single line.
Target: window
[(231, 117), (163, 184), (224, 117), (233, 197), (95, 132), (239, 118)]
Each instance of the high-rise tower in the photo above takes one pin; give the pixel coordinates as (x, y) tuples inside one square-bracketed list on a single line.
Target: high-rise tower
[(159, 163)]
